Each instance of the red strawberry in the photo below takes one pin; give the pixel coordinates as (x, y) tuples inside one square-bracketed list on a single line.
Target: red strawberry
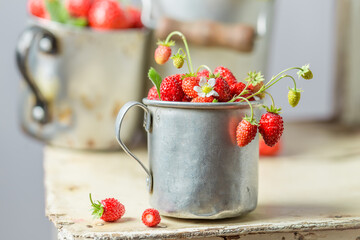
[(134, 17), (170, 89), (226, 74), (265, 150), (203, 99), (153, 94), (237, 88), (151, 217), (204, 73), (37, 8), (186, 98), (271, 127), (188, 84), (223, 89), (245, 132), (163, 52), (78, 8), (256, 88), (107, 15), (108, 210)]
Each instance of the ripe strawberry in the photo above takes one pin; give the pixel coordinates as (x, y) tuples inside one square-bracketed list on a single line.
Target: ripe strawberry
[(153, 94), (151, 217), (223, 89), (237, 88), (37, 8), (204, 73), (265, 150), (256, 88), (134, 15), (294, 96), (163, 52), (188, 84), (226, 74), (107, 15), (245, 132), (170, 89), (203, 99), (78, 8), (108, 209), (271, 127), (186, 99)]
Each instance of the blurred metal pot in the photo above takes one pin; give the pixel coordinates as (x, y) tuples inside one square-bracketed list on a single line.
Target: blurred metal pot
[(77, 80)]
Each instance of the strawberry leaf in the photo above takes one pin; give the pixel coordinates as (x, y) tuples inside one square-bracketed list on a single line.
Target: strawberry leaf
[(78, 22), (156, 79), (57, 11)]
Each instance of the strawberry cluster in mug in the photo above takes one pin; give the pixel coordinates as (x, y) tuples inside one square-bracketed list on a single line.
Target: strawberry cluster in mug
[(220, 85), (97, 14)]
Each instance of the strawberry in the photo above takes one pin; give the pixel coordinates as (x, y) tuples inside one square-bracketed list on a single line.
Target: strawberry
[(204, 73), (226, 74), (294, 96), (163, 52), (170, 89), (223, 90), (78, 8), (186, 99), (203, 99), (151, 217), (271, 126), (107, 15), (245, 132), (265, 150), (37, 8), (134, 17), (153, 94), (305, 72), (108, 209), (237, 88), (188, 84), (178, 61)]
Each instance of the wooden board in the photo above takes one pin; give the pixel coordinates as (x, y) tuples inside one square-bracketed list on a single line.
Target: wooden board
[(312, 188)]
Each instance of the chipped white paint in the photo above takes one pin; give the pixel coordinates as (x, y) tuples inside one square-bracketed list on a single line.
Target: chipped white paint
[(311, 191)]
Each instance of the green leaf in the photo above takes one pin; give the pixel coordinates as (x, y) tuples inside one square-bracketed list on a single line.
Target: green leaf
[(254, 78), (156, 79), (57, 11), (78, 22)]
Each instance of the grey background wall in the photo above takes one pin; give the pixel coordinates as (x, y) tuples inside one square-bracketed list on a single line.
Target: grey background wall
[(303, 32)]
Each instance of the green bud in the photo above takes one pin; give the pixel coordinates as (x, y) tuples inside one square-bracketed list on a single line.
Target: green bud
[(178, 61), (305, 72), (294, 96)]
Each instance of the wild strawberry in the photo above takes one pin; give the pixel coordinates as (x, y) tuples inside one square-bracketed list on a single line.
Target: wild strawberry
[(163, 52), (186, 99), (203, 73), (108, 209), (223, 90), (226, 74), (37, 8), (203, 99), (294, 96), (170, 89), (153, 94), (134, 15), (151, 217), (245, 132), (265, 150), (271, 127), (107, 15), (178, 61), (188, 84), (78, 8), (237, 88), (305, 72)]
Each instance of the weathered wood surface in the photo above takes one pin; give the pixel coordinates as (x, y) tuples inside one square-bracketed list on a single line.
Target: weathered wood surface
[(311, 191)]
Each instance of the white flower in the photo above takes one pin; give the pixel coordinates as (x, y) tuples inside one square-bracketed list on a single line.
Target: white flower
[(206, 88)]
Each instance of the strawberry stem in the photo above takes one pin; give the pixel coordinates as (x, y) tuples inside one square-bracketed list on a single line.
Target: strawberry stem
[(251, 108), (184, 54), (206, 67), (191, 70), (267, 86), (272, 99)]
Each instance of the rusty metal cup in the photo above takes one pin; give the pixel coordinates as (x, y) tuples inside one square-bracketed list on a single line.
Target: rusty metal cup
[(196, 170)]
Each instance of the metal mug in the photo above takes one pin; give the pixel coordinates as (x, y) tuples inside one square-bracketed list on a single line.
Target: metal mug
[(196, 170), (77, 80)]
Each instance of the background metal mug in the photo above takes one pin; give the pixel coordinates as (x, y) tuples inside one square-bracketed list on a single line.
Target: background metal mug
[(196, 170), (77, 80)]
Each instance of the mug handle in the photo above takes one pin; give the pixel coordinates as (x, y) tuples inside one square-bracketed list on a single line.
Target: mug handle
[(47, 43), (147, 126)]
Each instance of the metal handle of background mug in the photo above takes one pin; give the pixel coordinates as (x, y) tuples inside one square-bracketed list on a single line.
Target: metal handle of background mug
[(47, 44), (147, 126)]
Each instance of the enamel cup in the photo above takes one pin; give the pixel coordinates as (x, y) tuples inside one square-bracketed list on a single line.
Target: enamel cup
[(196, 170)]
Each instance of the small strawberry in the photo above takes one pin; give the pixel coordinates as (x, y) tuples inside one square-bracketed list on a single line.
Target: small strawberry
[(170, 89), (237, 88), (203, 73), (226, 74), (134, 17), (294, 96), (163, 52), (203, 99), (265, 150), (78, 8), (271, 126), (37, 8), (186, 99), (151, 217), (178, 60), (223, 90), (188, 84), (107, 15), (305, 72), (246, 131), (153, 94), (108, 209)]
